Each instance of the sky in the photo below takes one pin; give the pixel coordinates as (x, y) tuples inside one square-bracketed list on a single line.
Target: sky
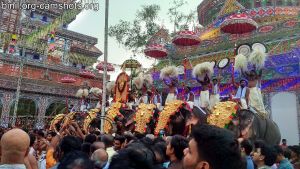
[(91, 22)]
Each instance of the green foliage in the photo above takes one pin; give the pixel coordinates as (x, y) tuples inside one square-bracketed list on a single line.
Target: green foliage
[(180, 19), (134, 35)]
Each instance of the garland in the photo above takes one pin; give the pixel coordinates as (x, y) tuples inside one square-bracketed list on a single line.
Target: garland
[(42, 32)]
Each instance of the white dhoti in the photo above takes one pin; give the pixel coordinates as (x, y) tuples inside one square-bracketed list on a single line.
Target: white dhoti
[(204, 99), (244, 103), (171, 97), (214, 99), (256, 100)]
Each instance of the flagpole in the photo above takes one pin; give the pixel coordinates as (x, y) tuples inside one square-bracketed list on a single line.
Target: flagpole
[(105, 64)]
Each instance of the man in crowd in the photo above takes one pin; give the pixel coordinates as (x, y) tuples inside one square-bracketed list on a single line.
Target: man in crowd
[(175, 151), (14, 149), (100, 158), (108, 140), (283, 162), (284, 144), (264, 156), (207, 145), (246, 149), (118, 142)]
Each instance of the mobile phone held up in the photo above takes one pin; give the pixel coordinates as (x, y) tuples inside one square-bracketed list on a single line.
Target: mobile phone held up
[(161, 133)]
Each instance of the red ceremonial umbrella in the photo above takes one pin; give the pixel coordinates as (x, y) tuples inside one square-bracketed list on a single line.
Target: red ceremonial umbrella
[(186, 38), (238, 24), (109, 67), (87, 74), (156, 51), (67, 79)]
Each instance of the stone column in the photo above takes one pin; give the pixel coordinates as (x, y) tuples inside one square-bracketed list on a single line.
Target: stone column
[(42, 105), (6, 101)]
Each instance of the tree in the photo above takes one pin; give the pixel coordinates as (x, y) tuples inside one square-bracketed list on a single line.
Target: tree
[(180, 20), (134, 35)]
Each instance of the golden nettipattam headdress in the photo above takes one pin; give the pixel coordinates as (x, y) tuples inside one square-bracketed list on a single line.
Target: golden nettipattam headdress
[(89, 118), (112, 112), (170, 109), (56, 120), (143, 116), (222, 114)]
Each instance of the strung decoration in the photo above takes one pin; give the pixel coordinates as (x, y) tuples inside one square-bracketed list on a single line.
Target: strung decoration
[(51, 42), (12, 44), (41, 32)]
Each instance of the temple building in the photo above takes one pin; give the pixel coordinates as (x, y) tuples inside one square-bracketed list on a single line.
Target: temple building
[(48, 62)]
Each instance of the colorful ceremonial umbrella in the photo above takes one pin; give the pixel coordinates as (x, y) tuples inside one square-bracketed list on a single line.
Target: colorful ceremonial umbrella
[(186, 38), (131, 64), (238, 24), (87, 74), (109, 67), (157, 51)]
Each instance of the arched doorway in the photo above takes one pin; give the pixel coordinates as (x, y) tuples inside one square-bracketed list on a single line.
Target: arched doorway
[(26, 107), (26, 113), (58, 107), (284, 113)]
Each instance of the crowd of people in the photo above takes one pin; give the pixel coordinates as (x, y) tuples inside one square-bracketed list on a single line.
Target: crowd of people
[(207, 147)]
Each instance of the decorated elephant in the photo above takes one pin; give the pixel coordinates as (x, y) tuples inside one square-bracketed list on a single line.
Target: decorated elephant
[(244, 123)]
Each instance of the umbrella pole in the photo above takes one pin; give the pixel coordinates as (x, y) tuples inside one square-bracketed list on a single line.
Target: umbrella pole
[(131, 78), (105, 64)]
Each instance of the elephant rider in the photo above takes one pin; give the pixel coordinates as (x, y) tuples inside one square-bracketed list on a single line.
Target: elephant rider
[(189, 96), (156, 98), (215, 92), (255, 99), (143, 83), (170, 77), (241, 94), (203, 72)]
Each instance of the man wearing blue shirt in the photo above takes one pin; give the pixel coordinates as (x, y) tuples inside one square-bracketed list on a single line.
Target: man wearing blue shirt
[(284, 163)]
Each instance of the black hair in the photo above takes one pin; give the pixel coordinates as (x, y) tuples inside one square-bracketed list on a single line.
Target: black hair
[(278, 150), (136, 156), (267, 151), (52, 133), (97, 133), (295, 149), (108, 140), (179, 143), (129, 137), (32, 139), (41, 133), (76, 159), (90, 138), (120, 138), (161, 148), (86, 148), (69, 144), (287, 153), (214, 143), (246, 144)]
